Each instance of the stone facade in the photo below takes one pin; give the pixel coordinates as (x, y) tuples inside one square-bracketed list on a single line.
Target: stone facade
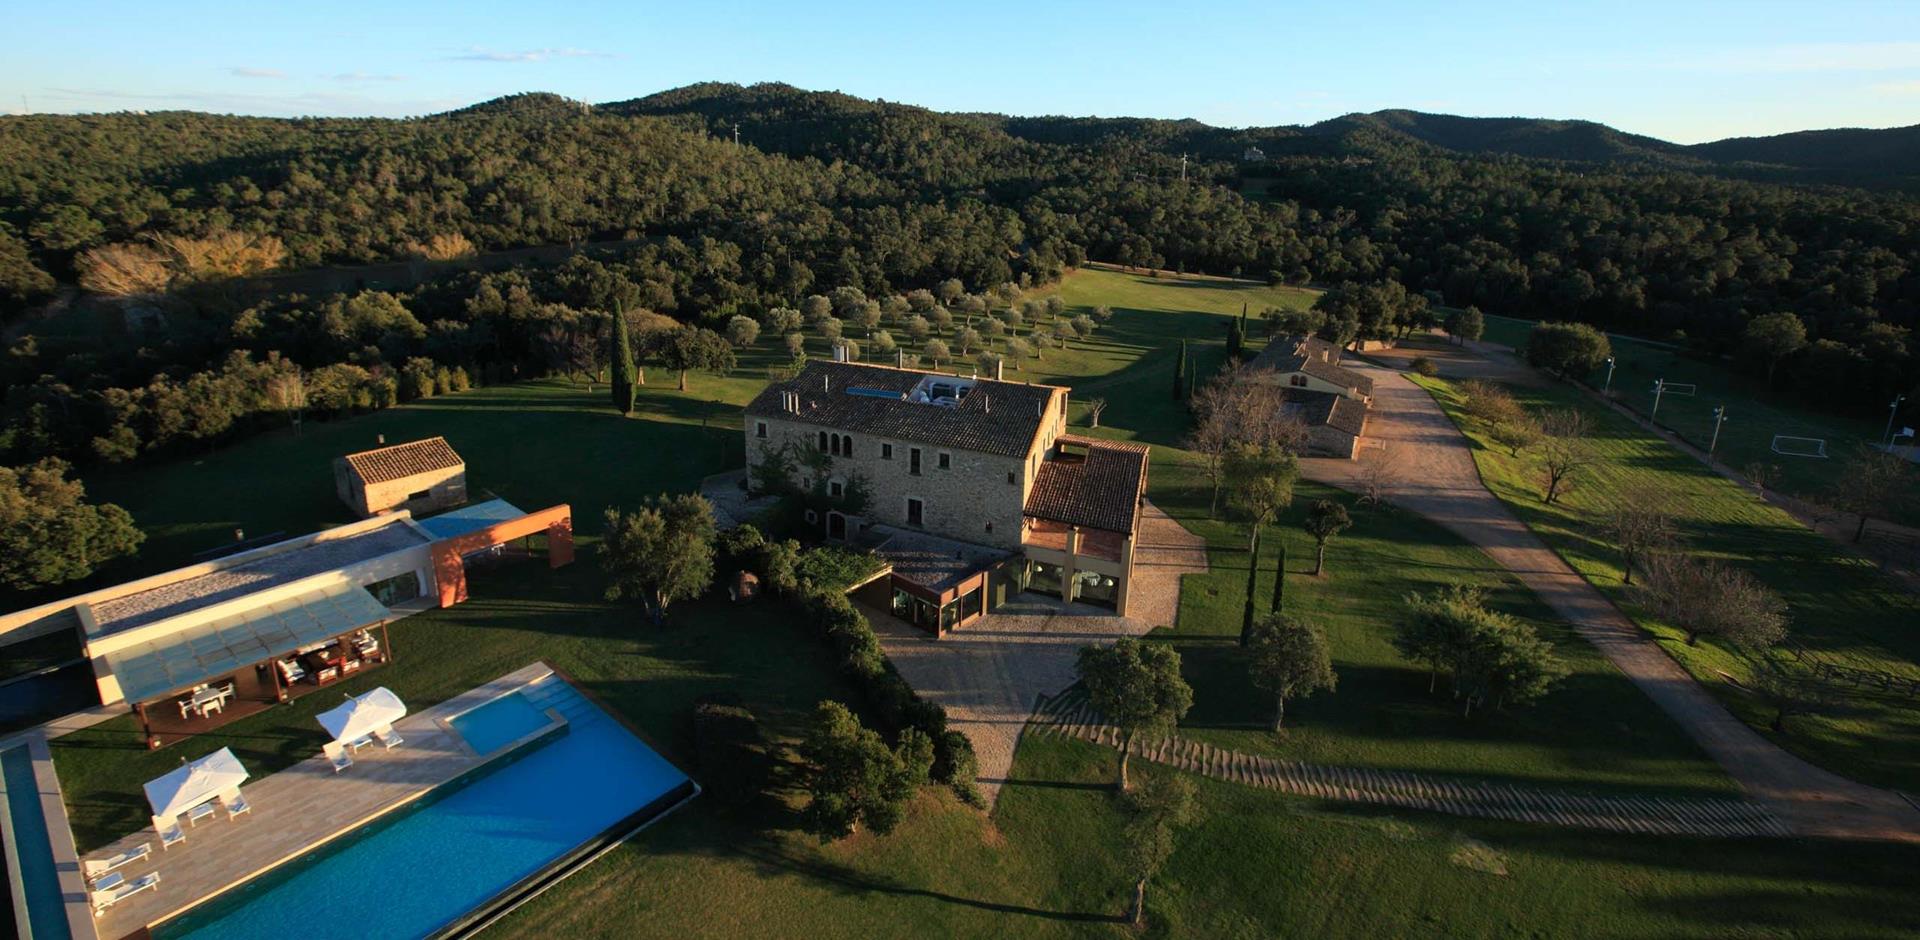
[(1327, 441), (976, 497), (420, 493)]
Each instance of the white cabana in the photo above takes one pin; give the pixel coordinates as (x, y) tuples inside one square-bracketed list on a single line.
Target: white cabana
[(363, 715), (191, 784)]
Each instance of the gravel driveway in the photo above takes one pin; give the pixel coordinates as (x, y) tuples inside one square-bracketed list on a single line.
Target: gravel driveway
[(1442, 483), (989, 675)]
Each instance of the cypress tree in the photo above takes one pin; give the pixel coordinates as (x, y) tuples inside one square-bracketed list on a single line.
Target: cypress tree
[(623, 368), (1234, 341), (1280, 579), (1180, 372)]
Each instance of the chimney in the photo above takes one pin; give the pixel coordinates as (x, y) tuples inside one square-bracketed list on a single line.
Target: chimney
[(900, 358), (839, 352), (998, 366), (986, 404), (380, 440)]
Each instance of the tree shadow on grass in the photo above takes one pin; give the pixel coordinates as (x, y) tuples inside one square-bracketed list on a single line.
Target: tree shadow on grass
[(777, 859)]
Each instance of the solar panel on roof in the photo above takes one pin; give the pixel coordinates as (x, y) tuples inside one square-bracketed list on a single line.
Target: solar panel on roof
[(866, 392)]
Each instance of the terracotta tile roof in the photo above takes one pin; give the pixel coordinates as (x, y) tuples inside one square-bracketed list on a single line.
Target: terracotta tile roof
[(1326, 408), (404, 460), (1312, 356), (999, 418), (1101, 491)]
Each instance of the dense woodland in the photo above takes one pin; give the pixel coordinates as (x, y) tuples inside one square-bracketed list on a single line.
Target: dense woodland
[(178, 212)]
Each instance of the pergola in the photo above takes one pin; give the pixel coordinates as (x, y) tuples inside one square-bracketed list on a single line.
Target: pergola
[(207, 675)]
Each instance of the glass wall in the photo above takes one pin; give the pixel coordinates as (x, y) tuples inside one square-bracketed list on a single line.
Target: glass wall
[(396, 590), (1043, 578), (1098, 589)]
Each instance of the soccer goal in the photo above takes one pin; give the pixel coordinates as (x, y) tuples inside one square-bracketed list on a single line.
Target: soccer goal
[(1678, 388), (1791, 446)]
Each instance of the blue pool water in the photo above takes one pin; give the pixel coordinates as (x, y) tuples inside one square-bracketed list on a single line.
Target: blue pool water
[(499, 723), (419, 870), (46, 911)]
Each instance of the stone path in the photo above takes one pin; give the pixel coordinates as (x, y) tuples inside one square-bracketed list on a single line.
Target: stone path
[(1071, 715), (1441, 482), (989, 675), (731, 506)]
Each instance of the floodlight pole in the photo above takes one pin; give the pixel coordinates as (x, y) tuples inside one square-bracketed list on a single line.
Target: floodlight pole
[(1659, 387), (1604, 389), (1719, 418), (1892, 411)]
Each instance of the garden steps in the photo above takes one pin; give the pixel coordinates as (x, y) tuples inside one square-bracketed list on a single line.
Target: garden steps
[(1072, 715)]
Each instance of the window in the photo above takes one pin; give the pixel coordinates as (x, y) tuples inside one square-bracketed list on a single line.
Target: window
[(423, 494), (396, 590), (913, 460), (989, 527), (946, 461), (760, 430), (1297, 381), (846, 446), (823, 440), (836, 489), (916, 511), (1010, 479), (886, 451)]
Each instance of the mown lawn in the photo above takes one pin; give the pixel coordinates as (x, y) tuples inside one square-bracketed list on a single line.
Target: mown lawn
[(1045, 863), (1754, 414), (1843, 609)]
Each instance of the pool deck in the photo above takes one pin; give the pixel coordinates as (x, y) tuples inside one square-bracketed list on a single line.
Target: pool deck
[(297, 809)]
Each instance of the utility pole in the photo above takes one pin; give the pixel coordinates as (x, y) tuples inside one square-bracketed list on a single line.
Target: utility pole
[(1183, 168), (1892, 411), (1609, 386), (1659, 388), (736, 135), (1719, 418)]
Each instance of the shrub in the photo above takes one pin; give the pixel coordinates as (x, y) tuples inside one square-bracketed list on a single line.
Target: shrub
[(1421, 365), (1571, 350)]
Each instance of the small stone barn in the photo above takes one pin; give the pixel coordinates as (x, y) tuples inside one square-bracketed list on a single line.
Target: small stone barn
[(419, 476)]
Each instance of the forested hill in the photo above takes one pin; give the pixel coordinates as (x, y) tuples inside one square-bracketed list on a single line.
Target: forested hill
[(829, 191)]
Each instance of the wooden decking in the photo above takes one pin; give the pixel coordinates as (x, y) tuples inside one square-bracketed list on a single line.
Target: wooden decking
[(297, 809)]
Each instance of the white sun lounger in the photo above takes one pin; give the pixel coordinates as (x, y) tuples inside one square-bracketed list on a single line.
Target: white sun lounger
[(389, 738), (170, 832), (338, 756), (203, 811), (96, 867), (106, 899), (237, 805)]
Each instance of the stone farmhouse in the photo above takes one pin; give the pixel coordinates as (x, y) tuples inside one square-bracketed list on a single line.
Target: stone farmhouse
[(418, 476), (1332, 399), (973, 489)]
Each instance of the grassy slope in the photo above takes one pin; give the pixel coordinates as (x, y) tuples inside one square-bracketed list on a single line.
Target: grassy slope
[(1043, 865), (1754, 415), (1842, 608)]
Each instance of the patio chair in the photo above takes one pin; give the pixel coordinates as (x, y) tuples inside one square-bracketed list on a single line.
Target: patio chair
[(365, 740), (170, 833), (338, 756), (290, 670), (97, 867), (237, 805), (106, 899), (203, 811), (389, 738)]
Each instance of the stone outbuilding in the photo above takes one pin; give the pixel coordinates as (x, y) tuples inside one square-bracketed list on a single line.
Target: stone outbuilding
[(418, 476)]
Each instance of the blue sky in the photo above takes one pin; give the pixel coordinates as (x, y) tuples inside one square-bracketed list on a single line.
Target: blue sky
[(1681, 70)]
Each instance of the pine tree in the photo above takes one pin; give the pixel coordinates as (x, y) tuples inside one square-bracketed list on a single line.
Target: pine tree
[(1180, 372), (623, 368)]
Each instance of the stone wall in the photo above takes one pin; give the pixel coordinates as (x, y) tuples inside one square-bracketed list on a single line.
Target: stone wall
[(444, 488)]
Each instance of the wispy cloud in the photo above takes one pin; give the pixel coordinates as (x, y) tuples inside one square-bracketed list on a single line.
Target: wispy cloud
[(366, 77), (250, 72), (1897, 89), (477, 54), (1805, 57)]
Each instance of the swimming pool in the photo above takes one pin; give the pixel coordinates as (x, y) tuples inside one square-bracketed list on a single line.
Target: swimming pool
[(39, 881), (466, 850), (499, 723)]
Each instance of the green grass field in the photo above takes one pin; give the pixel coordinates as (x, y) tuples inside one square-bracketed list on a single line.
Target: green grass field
[(1045, 863), (1754, 415), (1843, 608)]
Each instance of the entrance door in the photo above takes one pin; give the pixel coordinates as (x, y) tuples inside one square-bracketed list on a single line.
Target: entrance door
[(836, 526)]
